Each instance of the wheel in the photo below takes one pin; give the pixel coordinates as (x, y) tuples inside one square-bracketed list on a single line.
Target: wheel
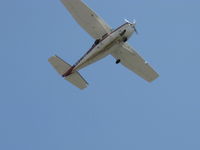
[(125, 39), (117, 61), (97, 41), (123, 32)]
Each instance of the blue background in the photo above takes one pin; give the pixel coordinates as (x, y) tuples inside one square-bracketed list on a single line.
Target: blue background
[(39, 110)]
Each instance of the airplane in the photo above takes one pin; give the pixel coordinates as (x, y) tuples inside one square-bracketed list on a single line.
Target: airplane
[(107, 42)]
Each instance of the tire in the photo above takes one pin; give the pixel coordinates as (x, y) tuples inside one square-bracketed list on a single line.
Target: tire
[(123, 32), (97, 41), (125, 39), (118, 61)]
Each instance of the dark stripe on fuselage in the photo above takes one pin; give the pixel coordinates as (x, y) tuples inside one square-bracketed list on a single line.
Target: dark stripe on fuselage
[(104, 37), (69, 71)]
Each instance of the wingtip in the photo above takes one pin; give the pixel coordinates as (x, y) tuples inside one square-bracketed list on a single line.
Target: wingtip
[(154, 78)]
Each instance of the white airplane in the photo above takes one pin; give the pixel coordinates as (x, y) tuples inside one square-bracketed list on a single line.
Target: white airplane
[(107, 41)]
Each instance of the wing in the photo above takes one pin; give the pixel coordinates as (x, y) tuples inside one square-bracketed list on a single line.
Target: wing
[(130, 59), (93, 24)]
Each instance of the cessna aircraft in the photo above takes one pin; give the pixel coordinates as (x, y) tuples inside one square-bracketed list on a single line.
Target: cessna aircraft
[(107, 41)]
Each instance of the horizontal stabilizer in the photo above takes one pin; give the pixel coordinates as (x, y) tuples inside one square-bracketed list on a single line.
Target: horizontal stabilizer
[(77, 80), (61, 67)]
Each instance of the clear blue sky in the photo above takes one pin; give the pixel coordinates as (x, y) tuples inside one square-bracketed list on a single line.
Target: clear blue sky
[(118, 111)]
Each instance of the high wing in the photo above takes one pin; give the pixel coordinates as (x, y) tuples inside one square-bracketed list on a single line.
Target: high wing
[(87, 18), (130, 59)]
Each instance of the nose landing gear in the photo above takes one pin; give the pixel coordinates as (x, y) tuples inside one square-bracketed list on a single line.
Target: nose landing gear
[(124, 39), (122, 33)]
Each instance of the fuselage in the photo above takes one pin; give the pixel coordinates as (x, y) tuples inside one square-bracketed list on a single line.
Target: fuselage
[(104, 46)]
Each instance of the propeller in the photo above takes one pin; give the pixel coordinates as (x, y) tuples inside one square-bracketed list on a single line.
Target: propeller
[(136, 31), (133, 23), (127, 20)]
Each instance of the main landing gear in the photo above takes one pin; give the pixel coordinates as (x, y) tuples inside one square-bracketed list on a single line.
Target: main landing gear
[(118, 61), (125, 39), (97, 41)]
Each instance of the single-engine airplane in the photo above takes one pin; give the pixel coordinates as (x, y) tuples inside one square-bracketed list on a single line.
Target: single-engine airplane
[(107, 41)]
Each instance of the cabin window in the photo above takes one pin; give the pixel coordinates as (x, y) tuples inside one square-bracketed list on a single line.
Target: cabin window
[(105, 35)]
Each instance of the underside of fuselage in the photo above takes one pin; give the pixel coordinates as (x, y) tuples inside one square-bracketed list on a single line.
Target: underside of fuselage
[(102, 48), (98, 55)]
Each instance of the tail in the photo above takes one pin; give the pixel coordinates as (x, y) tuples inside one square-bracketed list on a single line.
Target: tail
[(62, 68)]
